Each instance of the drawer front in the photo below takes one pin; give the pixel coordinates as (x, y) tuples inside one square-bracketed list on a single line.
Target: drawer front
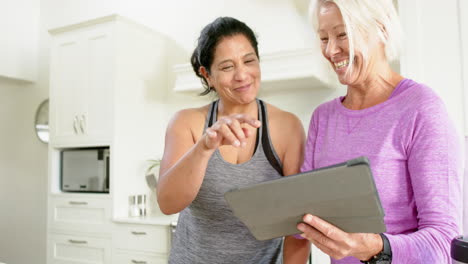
[(154, 239), (80, 214), (65, 249), (137, 258)]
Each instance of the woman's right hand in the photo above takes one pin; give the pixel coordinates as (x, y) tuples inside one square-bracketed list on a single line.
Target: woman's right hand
[(228, 130)]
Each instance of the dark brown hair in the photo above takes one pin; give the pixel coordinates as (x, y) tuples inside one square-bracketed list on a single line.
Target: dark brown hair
[(210, 36)]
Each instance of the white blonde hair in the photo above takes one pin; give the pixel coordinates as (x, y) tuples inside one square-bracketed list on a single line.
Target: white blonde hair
[(367, 22)]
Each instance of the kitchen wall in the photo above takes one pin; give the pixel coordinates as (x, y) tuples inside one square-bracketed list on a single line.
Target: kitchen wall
[(23, 170), (23, 159), (23, 174), (18, 48)]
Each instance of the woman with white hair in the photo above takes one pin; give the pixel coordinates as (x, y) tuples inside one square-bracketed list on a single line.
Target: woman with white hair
[(401, 125)]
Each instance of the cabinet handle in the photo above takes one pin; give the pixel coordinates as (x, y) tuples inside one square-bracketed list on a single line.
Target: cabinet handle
[(73, 241), (138, 261), (83, 123), (136, 233), (77, 203), (173, 227), (75, 121)]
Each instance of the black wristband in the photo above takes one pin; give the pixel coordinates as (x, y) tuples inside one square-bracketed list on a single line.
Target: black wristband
[(385, 256)]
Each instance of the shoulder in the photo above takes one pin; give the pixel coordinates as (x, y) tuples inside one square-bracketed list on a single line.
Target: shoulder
[(327, 106), (190, 119), (189, 114), (422, 109), (322, 111), (282, 118), (286, 133), (421, 97)]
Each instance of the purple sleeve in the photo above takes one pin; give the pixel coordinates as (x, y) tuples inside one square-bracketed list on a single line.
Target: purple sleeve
[(310, 144), (434, 166)]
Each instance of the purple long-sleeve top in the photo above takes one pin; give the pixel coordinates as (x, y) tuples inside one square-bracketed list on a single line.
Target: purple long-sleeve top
[(415, 157)]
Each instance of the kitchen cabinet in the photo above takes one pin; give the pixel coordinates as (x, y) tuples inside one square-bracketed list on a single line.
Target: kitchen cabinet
[(81, 79), (141, 243), (123, 257), (108, 78), (79, 229), (80, 213), (74, 249)]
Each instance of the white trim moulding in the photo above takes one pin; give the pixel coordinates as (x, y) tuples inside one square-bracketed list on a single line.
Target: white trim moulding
[(294, 69)]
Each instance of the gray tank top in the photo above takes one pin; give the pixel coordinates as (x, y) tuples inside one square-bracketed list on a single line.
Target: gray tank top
[(207, 231)]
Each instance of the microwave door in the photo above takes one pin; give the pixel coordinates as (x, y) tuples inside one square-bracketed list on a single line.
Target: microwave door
[(79, 170), (99, 183), (106, 171)]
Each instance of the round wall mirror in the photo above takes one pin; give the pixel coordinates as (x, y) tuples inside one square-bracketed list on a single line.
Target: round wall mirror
[(41, 123)]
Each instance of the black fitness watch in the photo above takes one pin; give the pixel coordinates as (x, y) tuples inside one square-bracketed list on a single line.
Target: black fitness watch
[(385, 256)]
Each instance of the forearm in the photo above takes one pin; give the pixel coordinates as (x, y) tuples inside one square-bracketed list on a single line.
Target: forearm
[(179, 185), (295, 250), (427, 245)]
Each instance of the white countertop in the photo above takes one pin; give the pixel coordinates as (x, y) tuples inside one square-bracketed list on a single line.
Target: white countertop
[(165, 220)]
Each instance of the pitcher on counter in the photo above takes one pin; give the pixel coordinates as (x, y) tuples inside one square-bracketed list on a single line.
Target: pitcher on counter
[(235, 141)]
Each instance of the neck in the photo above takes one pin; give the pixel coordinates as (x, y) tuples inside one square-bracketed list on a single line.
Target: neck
[(375, 89), (226, 108)]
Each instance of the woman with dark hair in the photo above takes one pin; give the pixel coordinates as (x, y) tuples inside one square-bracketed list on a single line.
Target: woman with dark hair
[(236, 141)]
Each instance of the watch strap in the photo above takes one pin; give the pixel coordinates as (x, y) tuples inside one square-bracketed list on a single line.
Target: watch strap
[(385, 256)]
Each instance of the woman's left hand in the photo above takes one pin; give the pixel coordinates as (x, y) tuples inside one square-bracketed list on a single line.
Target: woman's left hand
[(338, 244)]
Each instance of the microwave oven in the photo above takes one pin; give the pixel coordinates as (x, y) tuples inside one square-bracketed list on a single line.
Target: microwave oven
[(85, 170)]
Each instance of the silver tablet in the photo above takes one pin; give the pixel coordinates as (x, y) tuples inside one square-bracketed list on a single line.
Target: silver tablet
[(343, 195)]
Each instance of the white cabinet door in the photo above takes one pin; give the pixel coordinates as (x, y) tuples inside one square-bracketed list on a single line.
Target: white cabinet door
[(69, 249), (149, 238), (82, 86), (78, 214), (96, 116), (67, 86), (129, 257)]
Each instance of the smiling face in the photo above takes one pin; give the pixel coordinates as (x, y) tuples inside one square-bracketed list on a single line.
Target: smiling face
[(235, 71), (335, 44)]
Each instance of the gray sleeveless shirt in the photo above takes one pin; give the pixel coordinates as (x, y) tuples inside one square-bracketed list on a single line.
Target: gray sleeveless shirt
[(207, 230)]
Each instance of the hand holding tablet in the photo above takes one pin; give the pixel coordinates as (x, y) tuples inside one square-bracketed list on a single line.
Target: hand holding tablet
[(343, 195)]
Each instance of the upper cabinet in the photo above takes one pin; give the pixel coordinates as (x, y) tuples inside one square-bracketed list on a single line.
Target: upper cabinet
[(82, 70), (106, 76)]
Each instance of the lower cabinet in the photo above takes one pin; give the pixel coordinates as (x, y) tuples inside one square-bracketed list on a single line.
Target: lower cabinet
[(141, 237), (80, 213), (81, 231), (128, 257), (140, 244), (72, 249)]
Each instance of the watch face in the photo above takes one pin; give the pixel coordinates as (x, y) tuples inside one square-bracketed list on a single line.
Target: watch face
[(383, 259)]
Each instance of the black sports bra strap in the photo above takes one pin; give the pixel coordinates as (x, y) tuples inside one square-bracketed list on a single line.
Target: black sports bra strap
[(266, 143), (211, 114)]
